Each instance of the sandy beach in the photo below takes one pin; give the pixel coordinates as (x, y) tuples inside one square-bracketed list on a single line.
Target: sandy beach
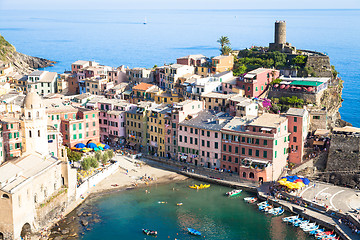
[(131, 174)]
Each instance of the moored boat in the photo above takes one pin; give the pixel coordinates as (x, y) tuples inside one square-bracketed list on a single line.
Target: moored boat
[(250, 199), (278, 211), (149, 232), (286, 219), (194, 232), (179, 204), (234, 192)]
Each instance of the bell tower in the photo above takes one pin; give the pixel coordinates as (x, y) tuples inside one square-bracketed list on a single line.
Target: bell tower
[(34, 125)]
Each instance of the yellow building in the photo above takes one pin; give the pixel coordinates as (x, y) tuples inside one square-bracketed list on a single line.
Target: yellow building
[(168, 97), (222, 63)]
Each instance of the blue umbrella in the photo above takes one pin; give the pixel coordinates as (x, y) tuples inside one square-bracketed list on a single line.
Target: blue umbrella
[(106, 146), (91, 145), (80, 145)]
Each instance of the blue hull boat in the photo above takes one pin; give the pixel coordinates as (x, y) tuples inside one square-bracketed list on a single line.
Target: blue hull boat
[(194, 232)]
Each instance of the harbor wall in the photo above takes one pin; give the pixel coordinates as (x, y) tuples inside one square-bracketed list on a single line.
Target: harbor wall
[(95, 179)]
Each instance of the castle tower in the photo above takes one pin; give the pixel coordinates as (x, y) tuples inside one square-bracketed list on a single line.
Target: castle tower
[(34, 125), (280, 32)]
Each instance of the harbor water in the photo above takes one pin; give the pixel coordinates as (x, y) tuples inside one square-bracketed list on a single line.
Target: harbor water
[(124, 214)]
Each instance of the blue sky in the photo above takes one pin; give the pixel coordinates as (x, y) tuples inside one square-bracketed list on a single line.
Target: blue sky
[(179, 4)]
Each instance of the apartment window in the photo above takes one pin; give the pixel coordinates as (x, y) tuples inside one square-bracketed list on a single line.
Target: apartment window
[(86, 116), (74, 127), (224, 158), (294, 138), (93, 115), (216, 156), (250, 152), (87, 134), (10, 135), (87, 125), (185, 139), (203, 143), (257, 141), (295, 128), (265, 154), (196, 131), (229, 158), (196, 141), (236, 160), (94, 133), (275, 154), (242, 150), (180, 128), (208, 144), (202, 132), (80, 136), (216, 135), (275, 142), (257, 153), (191, 140), (94, 124), (216, 145), (230, 150), (295, 119), (74, 136), (191, 130), (185, 129), (208, 133), (224, 148), (242, 139), (236, 149), (265, 142), (284, 139)]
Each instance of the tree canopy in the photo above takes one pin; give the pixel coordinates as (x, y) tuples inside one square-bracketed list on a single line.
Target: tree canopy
[(225, 48)]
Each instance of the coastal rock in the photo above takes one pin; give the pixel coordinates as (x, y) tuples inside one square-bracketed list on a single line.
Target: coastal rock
[(84, 223), (22, 63), (65, 231), (80, 213)]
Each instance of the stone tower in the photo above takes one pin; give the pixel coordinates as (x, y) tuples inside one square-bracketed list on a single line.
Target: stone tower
[(280, 32), (34, 125)]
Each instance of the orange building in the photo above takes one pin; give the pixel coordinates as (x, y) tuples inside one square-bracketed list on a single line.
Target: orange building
[(222, 63)]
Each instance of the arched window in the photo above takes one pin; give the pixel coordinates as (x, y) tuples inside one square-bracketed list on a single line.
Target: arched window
[(38, 133), (5, 196), (251, 175), (244, 174), (30, 133), (29, 114)]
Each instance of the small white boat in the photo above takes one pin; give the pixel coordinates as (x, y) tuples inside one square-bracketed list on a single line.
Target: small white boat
[(310, 229), (286, 219), (262, 203), (250, 199), (302, 226)]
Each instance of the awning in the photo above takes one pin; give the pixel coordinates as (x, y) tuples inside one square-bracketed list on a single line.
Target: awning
[(266, 129), (307, 83), (322, 132), (319, 143)]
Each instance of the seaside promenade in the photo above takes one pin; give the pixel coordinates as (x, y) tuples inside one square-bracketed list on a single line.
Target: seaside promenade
[(312, 200)]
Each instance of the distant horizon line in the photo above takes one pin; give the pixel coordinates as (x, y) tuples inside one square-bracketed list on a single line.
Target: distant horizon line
[(196, 9)]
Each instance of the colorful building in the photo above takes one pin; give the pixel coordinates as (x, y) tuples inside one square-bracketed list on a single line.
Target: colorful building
[(298, 127), (143, 92), (43, 82), (81, 128), (199, 138), (256, 147), (222, 63), (192, 60), (255, 82), (11, 137)]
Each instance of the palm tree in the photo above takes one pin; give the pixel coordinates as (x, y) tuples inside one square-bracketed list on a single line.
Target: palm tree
[(226, 50), (224, 45)]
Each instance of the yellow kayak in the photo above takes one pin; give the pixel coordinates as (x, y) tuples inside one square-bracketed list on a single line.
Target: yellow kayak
[(201, 186)]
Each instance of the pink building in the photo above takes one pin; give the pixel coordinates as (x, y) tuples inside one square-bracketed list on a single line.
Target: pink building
[(80, 64), (112, 120), (81, 129), (12, 137), (199, 138), (254, 83), (255, 147), (298, 127), (178, 113), (192, 60)]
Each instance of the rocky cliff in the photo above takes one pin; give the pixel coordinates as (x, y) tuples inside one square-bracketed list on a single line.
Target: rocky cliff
[(22, 63)]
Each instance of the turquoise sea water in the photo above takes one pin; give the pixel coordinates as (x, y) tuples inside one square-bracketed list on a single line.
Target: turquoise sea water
[(216, 216), (119, 37)]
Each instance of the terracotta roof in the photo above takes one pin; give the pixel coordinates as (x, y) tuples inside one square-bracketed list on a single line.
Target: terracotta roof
[(143, 86)]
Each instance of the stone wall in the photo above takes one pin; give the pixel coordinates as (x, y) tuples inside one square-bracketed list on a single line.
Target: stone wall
[(344, 153), (320, 64), (307, 97)]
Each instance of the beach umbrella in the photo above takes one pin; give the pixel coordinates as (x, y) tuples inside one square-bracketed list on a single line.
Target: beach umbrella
[(306, 181), (298, 88), (101, 145), (287, 86), (101, 148), (310, 89), (80, 145), (276, 85), (91, 145), (106, 146), (282, 86), (96, 149)]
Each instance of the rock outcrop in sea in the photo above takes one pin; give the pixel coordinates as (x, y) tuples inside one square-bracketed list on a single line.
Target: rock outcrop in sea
[(22, 63)]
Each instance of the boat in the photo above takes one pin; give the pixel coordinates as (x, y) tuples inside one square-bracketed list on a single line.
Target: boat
[(149, 232), (262, 207), (161, 202), (314, 232), (327, 236), (278, 211), (286, 219), (250, 199), (201, 186), (310, 229), (307, 225), (295, 221), (262, 203), (233, 193), (269, 208), (179, 204), (145, 22), (297, 224), (194, 232)]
